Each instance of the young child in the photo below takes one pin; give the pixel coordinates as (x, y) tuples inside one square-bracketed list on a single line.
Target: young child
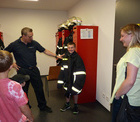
[(72, 76), (13, 101)]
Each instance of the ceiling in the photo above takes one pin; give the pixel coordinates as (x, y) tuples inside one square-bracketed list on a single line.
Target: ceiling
[(62, 5)]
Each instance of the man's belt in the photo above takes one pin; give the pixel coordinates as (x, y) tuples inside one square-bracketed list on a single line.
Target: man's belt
[(32, 67)]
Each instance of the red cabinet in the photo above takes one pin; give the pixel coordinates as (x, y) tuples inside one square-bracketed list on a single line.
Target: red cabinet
[(1, 36), (58, 35), (65, 33), (86, 39)]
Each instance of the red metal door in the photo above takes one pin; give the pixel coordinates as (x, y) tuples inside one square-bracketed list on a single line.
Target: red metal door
[(86, 39)]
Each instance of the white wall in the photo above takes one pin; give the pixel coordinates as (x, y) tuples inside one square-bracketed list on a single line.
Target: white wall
[(44, 24), (100, 13)]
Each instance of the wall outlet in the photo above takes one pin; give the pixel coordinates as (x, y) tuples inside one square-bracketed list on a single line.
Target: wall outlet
[(107, 99), (103, 95)]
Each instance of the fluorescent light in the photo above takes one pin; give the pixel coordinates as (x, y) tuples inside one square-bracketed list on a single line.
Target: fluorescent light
[(30, 0)]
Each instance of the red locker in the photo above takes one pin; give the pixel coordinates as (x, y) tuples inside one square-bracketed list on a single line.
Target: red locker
[(1, 36), (58, 35), (86, 39), (65, 33)]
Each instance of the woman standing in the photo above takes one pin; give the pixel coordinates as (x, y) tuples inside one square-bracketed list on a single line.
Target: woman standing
[(128, 73)]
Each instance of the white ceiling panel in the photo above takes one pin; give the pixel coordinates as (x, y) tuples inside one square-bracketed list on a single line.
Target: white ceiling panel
[(63, 5)]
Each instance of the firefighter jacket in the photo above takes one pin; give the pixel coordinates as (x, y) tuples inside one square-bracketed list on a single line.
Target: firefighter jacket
[(59, 51), (72, 75), (59, 47), (66, 41), (1, 45)]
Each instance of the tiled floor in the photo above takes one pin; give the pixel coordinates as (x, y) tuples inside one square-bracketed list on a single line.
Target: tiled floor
[(89, 112)]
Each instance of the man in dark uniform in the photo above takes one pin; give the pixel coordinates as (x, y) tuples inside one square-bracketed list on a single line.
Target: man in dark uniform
[(24, 50)]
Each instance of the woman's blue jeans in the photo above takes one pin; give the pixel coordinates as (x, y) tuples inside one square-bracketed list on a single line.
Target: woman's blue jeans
[(115, 108)]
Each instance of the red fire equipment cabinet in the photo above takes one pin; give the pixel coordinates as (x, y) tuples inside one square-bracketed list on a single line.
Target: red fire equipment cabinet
[(58, 35), (65, 33), (86, 39), (1, 36)]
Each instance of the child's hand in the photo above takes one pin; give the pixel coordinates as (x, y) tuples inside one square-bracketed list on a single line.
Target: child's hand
[(16, 66)]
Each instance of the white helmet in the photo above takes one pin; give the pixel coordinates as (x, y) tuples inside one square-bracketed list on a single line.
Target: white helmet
[(76, 20), (62, 26)]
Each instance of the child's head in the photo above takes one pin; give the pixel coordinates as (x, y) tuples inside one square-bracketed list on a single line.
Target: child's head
[(71, 47), (6, 60)]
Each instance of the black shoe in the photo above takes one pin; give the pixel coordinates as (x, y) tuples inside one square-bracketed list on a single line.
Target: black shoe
[(30, 106), (47, 109), (66, 107), (75, 110)]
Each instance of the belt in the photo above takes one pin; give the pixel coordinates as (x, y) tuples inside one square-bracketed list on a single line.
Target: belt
[(31, 67)]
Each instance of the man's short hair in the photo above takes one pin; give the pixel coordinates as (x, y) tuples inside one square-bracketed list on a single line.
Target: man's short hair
[(25, 30), (71, 43), (6, 60)]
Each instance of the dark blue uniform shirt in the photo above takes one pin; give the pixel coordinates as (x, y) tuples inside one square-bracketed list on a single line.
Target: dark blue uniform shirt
[(25, 54)]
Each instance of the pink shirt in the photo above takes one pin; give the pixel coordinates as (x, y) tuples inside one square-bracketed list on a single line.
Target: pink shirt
[(11, 98)]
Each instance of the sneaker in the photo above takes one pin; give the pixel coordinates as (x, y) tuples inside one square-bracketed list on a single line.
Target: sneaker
[(47, 109), (66, 107), (75, 110)]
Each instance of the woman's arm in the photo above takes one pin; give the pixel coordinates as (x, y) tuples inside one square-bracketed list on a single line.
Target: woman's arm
[(129, 81)]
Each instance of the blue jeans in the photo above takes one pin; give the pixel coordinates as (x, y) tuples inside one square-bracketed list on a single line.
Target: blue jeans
[(115, 108)]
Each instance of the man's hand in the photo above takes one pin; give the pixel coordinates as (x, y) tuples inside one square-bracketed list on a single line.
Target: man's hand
[(16, 66), (60, 56), (47, 52)]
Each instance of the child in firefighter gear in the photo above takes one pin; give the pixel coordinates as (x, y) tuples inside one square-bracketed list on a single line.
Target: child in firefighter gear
[(72, 77)]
